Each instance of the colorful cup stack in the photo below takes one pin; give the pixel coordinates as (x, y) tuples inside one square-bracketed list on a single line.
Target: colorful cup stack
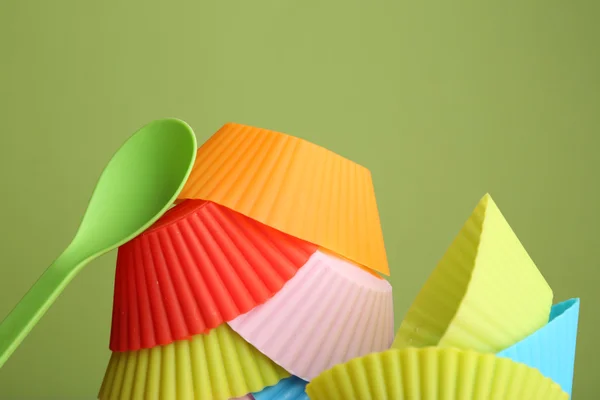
[(263, 283), (482, 327), (265, 274)]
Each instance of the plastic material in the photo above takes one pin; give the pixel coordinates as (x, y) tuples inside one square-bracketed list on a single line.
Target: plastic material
[(292, 388), (216, 366), (552, 348), (294, 186), (328, 313), (200, 265), (485, 294), (433, 374), (137, 186)]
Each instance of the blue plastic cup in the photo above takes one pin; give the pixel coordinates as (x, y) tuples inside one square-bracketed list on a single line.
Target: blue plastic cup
[(551, 349)]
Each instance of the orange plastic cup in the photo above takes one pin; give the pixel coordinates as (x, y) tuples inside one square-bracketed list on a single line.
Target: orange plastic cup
[(294, 186)]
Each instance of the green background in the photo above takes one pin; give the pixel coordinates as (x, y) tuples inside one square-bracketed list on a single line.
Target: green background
[(443, 101)]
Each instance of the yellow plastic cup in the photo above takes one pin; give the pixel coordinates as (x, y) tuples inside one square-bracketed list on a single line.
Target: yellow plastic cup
[(485, 294), (433, 373), (218, 366)]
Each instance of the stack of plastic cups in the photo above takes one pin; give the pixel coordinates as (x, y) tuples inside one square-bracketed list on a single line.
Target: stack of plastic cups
[(478, 329), (265, 274)]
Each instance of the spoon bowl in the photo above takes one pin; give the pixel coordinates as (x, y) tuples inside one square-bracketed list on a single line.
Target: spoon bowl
[(139, 184)]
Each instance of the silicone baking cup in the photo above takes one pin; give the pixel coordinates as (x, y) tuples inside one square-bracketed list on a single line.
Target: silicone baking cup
[(433, 374), (294, 186), (217, 366), (198, 266), (485, 294), (292, 388), (552, 348), (328, 313)]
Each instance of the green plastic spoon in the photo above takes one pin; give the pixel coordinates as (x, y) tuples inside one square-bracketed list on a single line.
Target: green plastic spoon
[(139, 184)]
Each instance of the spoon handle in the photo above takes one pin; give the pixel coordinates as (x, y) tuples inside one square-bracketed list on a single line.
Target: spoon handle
[(21, 320)]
